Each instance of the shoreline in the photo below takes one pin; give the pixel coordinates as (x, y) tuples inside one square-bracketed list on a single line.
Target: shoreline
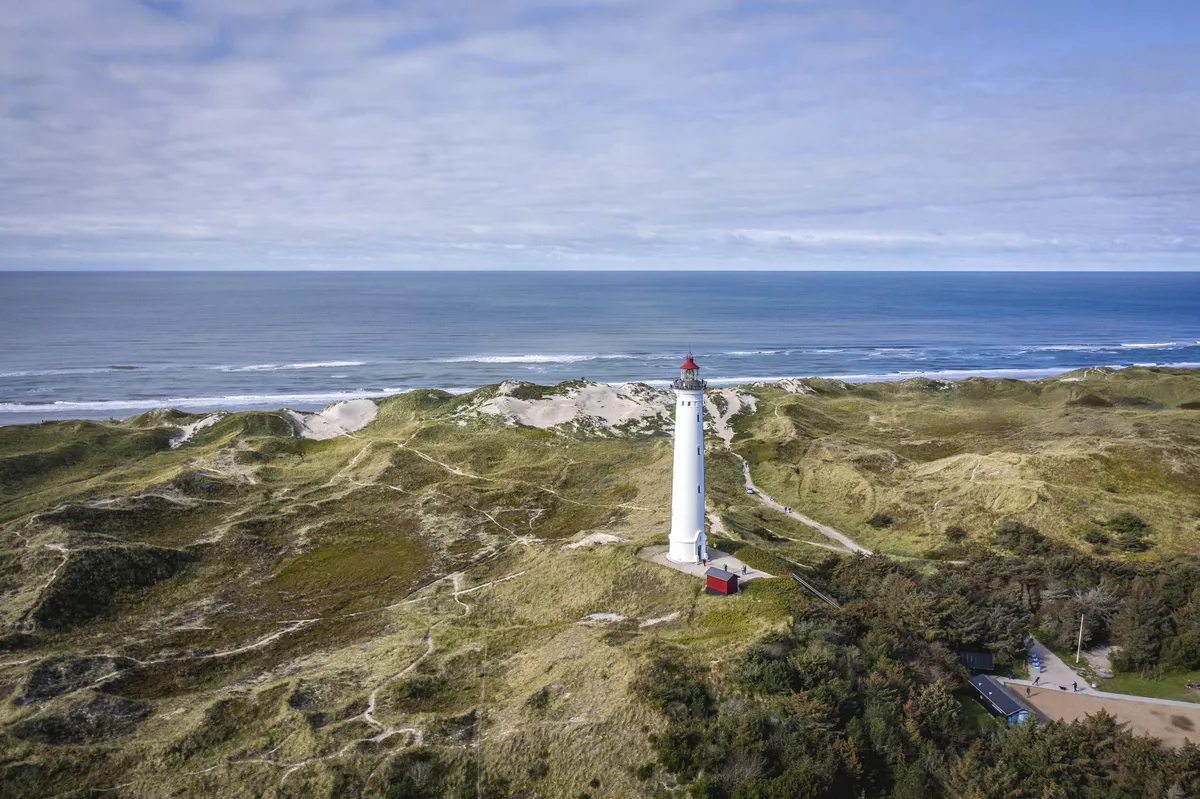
[(119, 410)]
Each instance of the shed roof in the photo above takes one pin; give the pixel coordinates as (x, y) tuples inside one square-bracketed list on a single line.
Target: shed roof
[(981, 661), (993, 691), (719, 573)]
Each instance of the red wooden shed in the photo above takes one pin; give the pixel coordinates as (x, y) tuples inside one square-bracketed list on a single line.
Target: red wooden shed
[(721, 581)]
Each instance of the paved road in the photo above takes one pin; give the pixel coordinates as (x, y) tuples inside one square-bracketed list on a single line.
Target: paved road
[(1055, 672), (1087, 690)]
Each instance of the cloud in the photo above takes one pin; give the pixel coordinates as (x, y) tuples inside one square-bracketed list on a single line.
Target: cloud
[(684, 133)]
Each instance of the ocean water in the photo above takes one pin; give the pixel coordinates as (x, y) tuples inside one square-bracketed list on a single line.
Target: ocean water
[(100, 345)]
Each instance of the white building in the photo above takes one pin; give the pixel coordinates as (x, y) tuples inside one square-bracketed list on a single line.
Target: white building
[(688, 542)]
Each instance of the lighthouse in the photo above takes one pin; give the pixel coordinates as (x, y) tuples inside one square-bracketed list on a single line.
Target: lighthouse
[(688, 542)]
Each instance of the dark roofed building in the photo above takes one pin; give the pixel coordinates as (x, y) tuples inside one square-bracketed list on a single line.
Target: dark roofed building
[(977, 661), (999, 699), (721, 581)]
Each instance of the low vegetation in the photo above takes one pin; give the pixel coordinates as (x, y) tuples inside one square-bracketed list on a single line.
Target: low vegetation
[(394, 614)]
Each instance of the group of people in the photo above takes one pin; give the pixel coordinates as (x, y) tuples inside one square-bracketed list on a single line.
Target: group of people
[(1037, 681)]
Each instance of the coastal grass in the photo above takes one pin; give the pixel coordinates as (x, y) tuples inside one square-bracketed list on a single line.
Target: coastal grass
[(324, 571), (1161, 684), (923, 456), (421, 562)]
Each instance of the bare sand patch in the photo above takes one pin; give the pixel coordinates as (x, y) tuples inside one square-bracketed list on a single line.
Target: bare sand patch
[(186, 431), (1172, 724), (601, 618), (335, 420), (595, 539), (600, 404)]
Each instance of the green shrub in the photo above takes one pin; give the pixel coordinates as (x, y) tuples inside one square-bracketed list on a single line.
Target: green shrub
[(1020, 538), (1090, 401), (765, 669), (539, 700), (1129, 532), (956, 533)]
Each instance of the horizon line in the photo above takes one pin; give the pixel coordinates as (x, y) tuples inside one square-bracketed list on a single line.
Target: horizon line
[(678, 270)]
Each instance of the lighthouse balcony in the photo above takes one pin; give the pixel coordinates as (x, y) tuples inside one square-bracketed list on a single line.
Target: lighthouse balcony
[(690, 385)]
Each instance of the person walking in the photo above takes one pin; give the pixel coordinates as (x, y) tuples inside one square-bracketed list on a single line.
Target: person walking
[(1026, 691), (1075, 687), (1037, 679)]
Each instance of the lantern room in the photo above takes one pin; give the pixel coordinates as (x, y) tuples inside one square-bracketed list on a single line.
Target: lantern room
[(689, 376)]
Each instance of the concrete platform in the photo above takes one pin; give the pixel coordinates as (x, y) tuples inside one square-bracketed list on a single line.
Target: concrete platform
[(723, 560)]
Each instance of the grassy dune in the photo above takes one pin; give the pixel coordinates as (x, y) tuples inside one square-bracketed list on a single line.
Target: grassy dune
[(392, 613), (1063, 455), (307, 578)]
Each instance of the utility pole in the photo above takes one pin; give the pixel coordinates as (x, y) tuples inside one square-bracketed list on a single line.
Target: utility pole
[(1079, 646)]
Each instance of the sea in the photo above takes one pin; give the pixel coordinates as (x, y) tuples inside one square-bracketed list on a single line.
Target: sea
[(114, 344)]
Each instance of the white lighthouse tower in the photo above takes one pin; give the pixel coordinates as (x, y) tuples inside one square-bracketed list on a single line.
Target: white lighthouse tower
[(688, 542)]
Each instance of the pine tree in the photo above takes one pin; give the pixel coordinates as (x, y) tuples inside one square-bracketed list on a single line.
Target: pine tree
[(1138, 629)]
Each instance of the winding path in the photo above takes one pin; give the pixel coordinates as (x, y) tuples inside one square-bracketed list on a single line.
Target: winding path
[(721, 427), (459, 472)]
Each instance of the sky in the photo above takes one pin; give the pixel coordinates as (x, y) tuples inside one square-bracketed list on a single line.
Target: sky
[(601, 134)]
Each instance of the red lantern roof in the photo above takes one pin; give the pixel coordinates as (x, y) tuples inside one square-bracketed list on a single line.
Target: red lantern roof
[(689, 363)]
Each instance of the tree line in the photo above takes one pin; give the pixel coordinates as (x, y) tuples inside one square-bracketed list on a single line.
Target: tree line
[(868, 700)]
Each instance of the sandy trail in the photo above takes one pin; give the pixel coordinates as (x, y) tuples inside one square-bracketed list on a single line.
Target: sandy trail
[(725, 432), (341, 474), (459, 472), (368, 715), (417, 736)]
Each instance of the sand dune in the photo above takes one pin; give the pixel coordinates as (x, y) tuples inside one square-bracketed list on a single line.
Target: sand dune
[(598, 404), (338, 419)]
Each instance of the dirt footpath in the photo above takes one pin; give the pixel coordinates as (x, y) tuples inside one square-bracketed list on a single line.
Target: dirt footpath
[(1169, 723)]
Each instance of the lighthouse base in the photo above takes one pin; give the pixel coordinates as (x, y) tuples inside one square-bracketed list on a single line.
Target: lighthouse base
[(688, 550)]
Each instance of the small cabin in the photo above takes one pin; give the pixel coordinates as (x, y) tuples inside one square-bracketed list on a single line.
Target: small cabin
[(720, 581), (998, 699)]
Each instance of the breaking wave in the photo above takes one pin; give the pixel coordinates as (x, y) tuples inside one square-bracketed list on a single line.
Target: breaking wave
[(85, 370), (223, 403), (285, 367), (534, 358)]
